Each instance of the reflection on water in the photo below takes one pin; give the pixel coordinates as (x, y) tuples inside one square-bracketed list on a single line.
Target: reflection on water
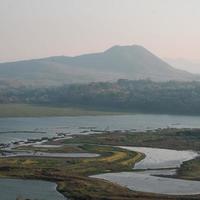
[(161, 158), (148, 181)]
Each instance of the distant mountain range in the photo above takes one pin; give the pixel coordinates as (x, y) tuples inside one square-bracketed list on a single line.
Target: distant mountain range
[(192, 66), (119, 62)]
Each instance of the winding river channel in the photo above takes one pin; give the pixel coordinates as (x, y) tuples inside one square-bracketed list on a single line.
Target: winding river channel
[(148, 180)]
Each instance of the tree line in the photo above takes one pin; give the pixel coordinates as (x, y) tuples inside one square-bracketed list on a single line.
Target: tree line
[(134, 96)]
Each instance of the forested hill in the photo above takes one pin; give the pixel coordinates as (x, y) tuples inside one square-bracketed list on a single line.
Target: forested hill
[(127, 62), (135, 96)]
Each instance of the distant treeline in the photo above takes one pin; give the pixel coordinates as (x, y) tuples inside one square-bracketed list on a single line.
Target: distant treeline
[(134, 96)]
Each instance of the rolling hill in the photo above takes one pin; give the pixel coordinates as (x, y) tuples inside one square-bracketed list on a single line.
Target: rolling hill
[(119, 62)]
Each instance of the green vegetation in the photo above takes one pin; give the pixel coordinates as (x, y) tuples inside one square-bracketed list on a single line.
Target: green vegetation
[(111, 159), (142, 96), (190, 170), (179, 139)]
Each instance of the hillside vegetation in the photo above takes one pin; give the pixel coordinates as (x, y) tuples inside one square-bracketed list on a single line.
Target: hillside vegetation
[(127, 62), (131, 96)]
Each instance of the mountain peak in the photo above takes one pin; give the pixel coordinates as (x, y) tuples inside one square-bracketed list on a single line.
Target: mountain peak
[(125, 47), (118, 62)]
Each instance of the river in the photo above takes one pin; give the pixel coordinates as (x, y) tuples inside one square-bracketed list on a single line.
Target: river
[(149, 180)]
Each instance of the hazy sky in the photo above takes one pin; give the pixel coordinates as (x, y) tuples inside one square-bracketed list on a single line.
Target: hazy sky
[(40, 28)]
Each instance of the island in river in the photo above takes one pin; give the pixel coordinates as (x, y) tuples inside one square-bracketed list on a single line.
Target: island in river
[(73, 175)]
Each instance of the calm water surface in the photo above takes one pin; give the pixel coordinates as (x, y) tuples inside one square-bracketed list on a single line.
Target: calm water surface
[(46, 154), (153, 184), (74, 125), (161, 158), (146, 181), (10, 189)]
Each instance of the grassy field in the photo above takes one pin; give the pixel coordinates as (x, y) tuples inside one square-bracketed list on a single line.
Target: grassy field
[(111, 159), (178, 139), (27, 110), (190, 170)]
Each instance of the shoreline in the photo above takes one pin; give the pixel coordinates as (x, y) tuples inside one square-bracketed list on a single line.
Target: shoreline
[(22, 110)]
